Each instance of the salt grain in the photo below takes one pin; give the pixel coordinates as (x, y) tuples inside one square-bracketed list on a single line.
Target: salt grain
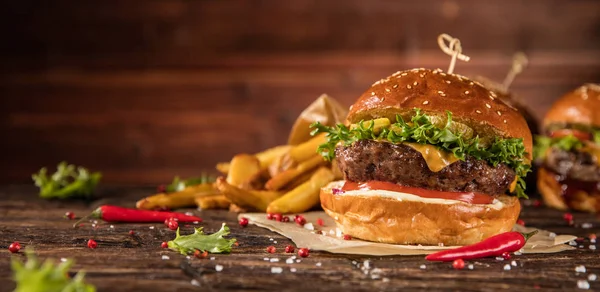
[(112, 227), (212, 258), (499, 258), (318, 264), (513, 263), (189, 213), (309, 226), (266, 259), (592, 277), (507, 267), (63, 260), (195, 282), (298, 260), (583, 284), (151, 227), (274, 241), (552, 235), (592, 247), (586, 225), (165, 257), (385, 280), (276, 270), (423, 267), (572, 243), (188, 257), (293, 270), (366, 264), (218, 268), (470, 266), (289, 261), (271, 239), (274, 260), (580, 269)]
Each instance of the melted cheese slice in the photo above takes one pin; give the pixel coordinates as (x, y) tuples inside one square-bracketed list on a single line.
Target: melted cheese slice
[(435, 158)]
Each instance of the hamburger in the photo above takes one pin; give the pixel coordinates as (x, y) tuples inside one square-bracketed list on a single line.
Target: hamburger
[(428, 158), (569, 151)]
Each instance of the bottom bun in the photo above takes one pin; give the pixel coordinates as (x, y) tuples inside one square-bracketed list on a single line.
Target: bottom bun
[(552, 192), (422, 221)]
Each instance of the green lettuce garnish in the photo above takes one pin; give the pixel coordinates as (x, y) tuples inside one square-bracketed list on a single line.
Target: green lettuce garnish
[(543, 143), (422, 130), (68, 181), (179, 184), (35, 276), (213, 243)]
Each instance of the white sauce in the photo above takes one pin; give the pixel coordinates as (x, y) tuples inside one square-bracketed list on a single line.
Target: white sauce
[(496, 204)]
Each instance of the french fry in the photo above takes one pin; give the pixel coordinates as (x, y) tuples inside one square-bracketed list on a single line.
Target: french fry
[(212, 202), (268, 156), (304, 196), (281, 164), (180, 199), (299, 180), (265, 158), (279, 181), (242, 169), (258, 200), (223, 167), (337, 173), (307, 149)]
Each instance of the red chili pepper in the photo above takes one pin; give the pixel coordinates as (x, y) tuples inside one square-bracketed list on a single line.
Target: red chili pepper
[(493, 246), (111, 213)]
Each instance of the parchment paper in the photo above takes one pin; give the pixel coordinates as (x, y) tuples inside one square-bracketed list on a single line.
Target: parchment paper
[(543, 242)]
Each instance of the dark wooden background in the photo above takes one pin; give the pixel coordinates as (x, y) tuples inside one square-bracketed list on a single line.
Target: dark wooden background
[(145, 90)]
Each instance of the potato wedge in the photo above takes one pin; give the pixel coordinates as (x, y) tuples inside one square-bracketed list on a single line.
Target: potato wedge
[(257, 200), (180, 199), (281, 164), (242, 169), (237, 209), (307, 149), (298, 181), (265, 158), (335, 168), (212, 202), (279, 181), (305, 196)]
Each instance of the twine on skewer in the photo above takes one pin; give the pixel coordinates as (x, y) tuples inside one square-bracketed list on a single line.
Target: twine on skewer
[(453, 49), (520, 61)]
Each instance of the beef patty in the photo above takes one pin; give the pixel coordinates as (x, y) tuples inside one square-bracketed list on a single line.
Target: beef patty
[(577, 165), (367, 160)]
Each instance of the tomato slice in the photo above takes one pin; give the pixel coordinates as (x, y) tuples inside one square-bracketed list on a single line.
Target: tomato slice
[(467, 197), (581, 135)]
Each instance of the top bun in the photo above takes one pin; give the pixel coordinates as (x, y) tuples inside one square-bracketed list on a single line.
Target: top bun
[(436, 92), (580, 106)]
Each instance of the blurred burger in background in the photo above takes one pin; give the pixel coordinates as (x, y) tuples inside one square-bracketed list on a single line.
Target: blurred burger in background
[(428, 158), (569, 151)]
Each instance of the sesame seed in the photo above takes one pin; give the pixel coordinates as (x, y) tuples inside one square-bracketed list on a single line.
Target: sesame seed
[(426, 102), (395, 86), (478, 111), (448, 81), (488, 106), (491, 97), (443, 74), (422, 75), (499, 113), (388, 90), (493, 94), (471, 83), (372, 92), (408, 86), (466, 92), (415, 83), (505, 121), (404, 74), (435, 72)]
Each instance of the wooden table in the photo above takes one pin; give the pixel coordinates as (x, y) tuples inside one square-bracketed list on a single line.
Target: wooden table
[(123, 262)]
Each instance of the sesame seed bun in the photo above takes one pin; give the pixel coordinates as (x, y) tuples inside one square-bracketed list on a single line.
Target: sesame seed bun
[(580, 106), (390, 220), (435, 92)]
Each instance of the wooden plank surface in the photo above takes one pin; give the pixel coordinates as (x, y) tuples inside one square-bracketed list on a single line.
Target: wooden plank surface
[(134, 263)]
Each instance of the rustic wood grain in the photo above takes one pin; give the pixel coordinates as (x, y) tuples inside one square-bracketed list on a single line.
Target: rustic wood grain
[(134, 263), (145, 90)]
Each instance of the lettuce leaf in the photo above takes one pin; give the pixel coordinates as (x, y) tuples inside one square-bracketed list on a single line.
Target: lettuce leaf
[(422, 130), (213, 243), (67, 182), (35, 276)]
